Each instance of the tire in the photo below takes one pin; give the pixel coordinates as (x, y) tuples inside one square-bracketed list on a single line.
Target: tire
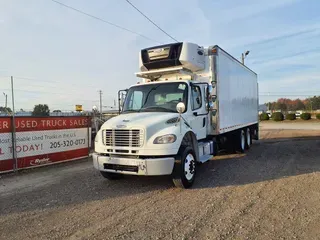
[(241, 141), (111, 176), (184, 171), (255, 134), (248, 138), (231, 144)]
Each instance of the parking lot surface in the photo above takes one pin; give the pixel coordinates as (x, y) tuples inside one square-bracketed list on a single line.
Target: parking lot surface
[(269, 192)]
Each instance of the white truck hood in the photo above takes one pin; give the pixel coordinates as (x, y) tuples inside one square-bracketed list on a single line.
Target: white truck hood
[(143, 120)]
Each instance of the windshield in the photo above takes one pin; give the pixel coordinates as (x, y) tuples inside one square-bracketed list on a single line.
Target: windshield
[(162, 97)]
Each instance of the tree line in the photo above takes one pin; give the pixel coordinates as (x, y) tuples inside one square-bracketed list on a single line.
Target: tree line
[(39, 110), (283, 104), (286, 104)]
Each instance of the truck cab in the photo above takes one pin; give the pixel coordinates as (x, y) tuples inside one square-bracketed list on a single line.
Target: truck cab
[(168, 119)]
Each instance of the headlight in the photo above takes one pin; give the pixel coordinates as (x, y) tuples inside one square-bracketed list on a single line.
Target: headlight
[(98, 135), (170, 138)]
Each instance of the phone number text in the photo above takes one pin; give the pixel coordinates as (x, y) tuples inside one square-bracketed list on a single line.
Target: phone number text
[(67, 143)]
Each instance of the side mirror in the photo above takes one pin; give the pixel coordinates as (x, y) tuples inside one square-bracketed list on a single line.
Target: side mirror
[(181, 107)]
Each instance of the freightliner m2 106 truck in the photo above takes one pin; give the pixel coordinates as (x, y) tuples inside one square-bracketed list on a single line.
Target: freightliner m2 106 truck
[(190, 102)]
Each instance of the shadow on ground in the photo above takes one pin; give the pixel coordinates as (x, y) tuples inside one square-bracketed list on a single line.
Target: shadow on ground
[(62, 185), (268, 159)]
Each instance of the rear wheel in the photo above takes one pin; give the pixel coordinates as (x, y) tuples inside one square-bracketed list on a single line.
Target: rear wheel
[(248, 138), (255, 134), (241, 141), (111, 176), (184, 168), (230, 145)]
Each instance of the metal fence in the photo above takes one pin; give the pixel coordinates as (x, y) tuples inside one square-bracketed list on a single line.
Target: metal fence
[(27, 142)]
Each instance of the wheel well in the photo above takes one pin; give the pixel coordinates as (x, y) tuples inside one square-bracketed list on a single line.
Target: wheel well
[(255, 127), (190, 139), (227, 138)]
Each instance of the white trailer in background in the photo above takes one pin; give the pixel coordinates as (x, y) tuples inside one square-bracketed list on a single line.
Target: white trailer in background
[(190, 102)]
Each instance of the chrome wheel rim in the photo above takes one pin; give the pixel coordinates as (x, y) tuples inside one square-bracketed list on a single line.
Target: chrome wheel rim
[(243, 139), (248, 137), (189, 166)]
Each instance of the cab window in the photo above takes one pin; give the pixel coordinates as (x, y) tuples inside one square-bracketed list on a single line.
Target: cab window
[(196, 100)]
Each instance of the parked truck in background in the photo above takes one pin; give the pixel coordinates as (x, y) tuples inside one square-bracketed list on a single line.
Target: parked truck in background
[(191, 101)]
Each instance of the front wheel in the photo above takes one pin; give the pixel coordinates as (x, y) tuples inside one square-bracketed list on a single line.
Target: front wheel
[(184, 168)]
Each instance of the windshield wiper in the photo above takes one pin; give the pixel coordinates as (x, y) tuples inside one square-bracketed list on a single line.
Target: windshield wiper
[(130, 110), (147, 96)]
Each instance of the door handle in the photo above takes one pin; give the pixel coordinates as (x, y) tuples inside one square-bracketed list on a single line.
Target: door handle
[(204, 122)]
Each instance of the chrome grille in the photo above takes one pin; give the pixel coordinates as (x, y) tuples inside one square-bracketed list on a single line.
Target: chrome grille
[(123, 137)]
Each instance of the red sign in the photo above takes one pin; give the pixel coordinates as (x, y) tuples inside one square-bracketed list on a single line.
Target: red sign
[(43, 140), (44, 123)]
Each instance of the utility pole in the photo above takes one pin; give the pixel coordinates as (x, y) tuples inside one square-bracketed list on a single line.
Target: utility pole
[(6, 100), (269, 104), (100, 93), (14, 142), (244, 55)]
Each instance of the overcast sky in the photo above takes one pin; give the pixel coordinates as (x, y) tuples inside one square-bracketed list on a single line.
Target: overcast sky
[(67, 57)]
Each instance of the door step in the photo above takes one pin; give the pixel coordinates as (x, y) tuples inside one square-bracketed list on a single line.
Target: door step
[(205, 158), (206, 150)]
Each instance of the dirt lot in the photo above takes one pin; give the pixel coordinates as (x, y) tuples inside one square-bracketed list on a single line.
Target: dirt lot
[(270, 192)]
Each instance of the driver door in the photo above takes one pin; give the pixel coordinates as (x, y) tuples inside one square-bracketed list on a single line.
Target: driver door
[(199, 117)]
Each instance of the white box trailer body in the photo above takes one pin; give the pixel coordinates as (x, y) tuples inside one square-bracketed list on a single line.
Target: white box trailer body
[(236, 89), (234, 85)]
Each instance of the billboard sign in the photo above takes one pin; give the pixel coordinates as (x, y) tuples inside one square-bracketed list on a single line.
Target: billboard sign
[(43, 140)]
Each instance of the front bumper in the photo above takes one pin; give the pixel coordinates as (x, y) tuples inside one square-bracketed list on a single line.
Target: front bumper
[(134, 166)]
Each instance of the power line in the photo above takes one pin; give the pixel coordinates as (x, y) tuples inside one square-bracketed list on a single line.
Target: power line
[(290, 92), (43, 86), (40, 92), (285, 95), (105, 21), (39, 80), (152, 21), (54, 82)]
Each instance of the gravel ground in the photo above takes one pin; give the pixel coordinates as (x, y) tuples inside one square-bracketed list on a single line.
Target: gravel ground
[(270, 192)]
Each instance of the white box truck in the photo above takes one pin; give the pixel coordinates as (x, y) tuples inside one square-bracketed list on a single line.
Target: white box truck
[(190, 102)]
